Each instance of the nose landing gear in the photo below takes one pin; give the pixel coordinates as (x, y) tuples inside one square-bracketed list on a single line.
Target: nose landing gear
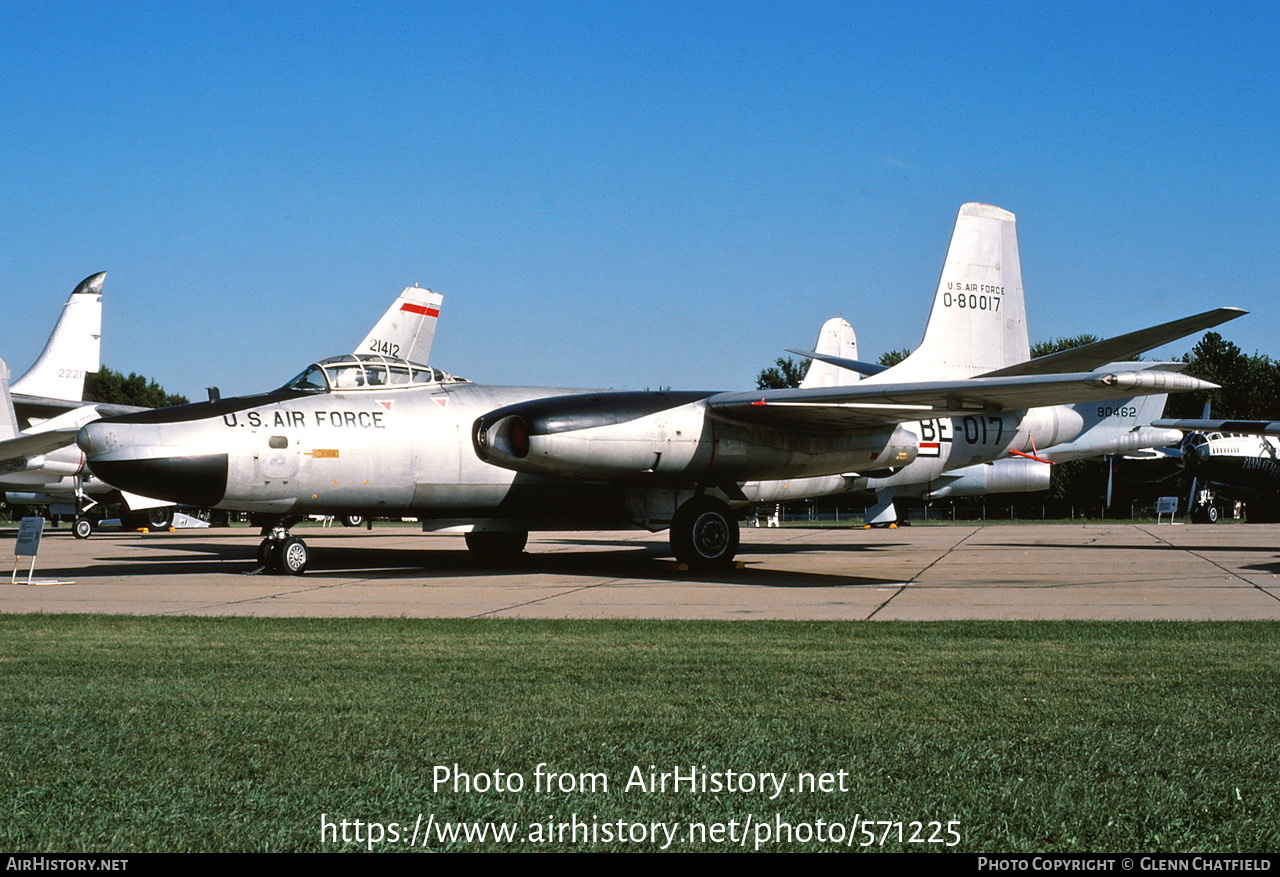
[(281, 552)]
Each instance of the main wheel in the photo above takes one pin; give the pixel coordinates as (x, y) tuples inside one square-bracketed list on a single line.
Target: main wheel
[(291, 556), (82, 528), (352, 520), (704, 533), (497, 545)]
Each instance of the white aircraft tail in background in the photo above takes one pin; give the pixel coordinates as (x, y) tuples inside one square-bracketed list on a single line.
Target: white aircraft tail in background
[(74, 348), (835, 340), (29, 456), (408, 327), (8, 418)]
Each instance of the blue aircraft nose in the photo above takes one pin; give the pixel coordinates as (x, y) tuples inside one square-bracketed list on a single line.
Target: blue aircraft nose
[(122, 457)]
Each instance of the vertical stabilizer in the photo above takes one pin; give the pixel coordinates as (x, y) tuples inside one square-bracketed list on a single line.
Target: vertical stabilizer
[(978, 322), (408, 327), (835, 338), (8, 419), (74, 348)]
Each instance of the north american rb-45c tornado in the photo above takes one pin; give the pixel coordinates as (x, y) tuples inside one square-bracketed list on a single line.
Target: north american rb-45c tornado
[(376, 435)]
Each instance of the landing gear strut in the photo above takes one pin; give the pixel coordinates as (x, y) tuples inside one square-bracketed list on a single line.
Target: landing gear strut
[(281, 551), (704, 533)]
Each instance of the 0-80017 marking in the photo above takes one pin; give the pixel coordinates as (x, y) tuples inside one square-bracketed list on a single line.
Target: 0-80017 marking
[(971, 301)]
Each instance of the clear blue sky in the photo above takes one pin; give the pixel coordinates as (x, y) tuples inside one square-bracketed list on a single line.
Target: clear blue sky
[(621, 194)]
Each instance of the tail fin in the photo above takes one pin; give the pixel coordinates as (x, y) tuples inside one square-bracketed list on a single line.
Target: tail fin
[(835, 338), (8, 418), (978, 322), (74, 348), (408, 327)]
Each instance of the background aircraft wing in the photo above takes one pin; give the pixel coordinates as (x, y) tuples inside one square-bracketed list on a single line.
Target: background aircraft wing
[(34, 444), (1122, 347), (1244, 427), (866, 405)]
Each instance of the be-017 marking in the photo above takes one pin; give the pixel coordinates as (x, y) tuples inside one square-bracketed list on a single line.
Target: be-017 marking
[(933, 434)]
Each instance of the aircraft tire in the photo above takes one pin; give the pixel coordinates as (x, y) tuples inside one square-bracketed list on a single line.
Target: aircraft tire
[(82, 528), (266, 556), (160, 519), (1204, 514), (352, 520), (497, 545), (292, 556), (704, 533)]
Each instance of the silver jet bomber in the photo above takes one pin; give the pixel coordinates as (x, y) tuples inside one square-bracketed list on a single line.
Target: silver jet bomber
[(377, 435)]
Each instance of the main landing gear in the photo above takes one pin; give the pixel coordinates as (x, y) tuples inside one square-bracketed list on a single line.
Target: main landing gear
[(704, 533), (282, 552)]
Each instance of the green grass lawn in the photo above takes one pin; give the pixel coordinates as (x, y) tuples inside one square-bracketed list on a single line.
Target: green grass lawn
[(135, 734)]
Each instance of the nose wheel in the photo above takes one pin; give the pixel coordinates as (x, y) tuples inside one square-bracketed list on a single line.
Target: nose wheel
[(282, 553)]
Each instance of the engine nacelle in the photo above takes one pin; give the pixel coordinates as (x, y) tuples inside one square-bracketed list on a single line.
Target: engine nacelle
[(669, 438)]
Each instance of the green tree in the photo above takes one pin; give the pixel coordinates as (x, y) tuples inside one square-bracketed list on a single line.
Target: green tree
[(787, 373), (111, 386), (1250, 384), (1054, 345), (893, 357)]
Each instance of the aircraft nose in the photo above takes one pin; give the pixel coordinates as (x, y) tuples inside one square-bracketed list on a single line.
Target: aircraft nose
[(134, 464), (1195, 452)]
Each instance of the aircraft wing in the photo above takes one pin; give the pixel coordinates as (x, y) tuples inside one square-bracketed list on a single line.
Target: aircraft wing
[(1122, 347), (864, 405), (1244, 427), (43, 406), (57, 432), (34, 444)]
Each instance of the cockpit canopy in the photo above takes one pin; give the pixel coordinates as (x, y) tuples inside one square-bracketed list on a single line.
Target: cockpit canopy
[(367, 371)]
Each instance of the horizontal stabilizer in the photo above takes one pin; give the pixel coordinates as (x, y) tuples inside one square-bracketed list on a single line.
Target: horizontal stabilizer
[(1242, 427), (862, 368), (1129, 346)]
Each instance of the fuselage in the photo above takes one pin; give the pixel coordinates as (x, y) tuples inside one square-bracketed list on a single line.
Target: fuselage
[(1243, 466), (596, 459), (377, 436)]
